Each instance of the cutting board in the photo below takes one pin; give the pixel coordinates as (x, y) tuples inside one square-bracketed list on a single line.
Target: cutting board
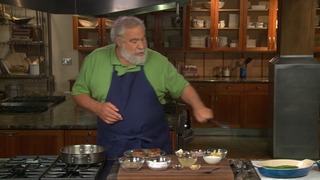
[(224, 173)]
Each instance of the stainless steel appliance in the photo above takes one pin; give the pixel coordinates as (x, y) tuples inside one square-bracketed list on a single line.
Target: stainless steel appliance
[(26, 167), (26, 104), (47, 167), (294, 83), (179, 119), (98, 8)]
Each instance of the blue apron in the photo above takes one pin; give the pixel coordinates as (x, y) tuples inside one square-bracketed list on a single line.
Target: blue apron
[(144, 124)]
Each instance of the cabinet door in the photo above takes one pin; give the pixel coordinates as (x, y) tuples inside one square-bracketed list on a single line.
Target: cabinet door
[(172, 29), (259, 25), (87, 33), (256, 106), (228, 25), (206, 93), (199, 24), (73, 137), (228, 100), (30, 142)]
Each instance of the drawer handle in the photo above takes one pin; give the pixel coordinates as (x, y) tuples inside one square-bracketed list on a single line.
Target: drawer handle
[(8, 133), (200, 87), (228, 87), (258, 87)]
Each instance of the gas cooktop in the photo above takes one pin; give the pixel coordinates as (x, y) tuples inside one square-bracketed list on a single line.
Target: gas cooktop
[(25, 104), (47, 168)]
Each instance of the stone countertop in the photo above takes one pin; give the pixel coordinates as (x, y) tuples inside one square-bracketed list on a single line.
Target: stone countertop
[(64, 116), (214, 79)]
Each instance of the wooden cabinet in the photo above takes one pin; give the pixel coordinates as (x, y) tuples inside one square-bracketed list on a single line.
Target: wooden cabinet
[(30, 142), (73, 137), (90, 33), (255, 112), (243, 25), (227, 103), (242, 105)]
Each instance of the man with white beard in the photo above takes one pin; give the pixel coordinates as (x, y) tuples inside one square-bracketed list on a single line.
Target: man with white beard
[(125, 85)]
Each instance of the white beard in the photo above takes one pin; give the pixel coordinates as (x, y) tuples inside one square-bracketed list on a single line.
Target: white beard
[(132, 58)]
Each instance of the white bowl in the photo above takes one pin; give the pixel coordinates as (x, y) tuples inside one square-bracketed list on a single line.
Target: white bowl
[(211, 159), (207, 5), (88, 23), (158, 163), (221, 4)]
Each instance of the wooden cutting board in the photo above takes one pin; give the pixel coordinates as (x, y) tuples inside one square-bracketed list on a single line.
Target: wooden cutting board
[(224, 173)]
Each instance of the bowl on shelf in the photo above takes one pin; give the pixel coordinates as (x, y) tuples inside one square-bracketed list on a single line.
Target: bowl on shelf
[(131, 163), (207, 5), (20, 20), (88, 22), (221, 4), (158, 163)]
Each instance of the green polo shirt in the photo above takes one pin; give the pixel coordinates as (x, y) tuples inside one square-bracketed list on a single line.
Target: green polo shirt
[(96, 73)]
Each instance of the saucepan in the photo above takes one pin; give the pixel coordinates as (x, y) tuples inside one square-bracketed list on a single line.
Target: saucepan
[(82, 154)]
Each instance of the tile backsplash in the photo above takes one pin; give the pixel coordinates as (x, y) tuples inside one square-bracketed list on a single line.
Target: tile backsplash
[(209, 62)]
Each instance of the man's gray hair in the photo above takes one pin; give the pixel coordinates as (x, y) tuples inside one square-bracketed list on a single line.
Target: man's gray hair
[(122, 23)]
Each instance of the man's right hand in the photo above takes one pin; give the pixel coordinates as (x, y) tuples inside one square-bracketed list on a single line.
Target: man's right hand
[(109, 112)]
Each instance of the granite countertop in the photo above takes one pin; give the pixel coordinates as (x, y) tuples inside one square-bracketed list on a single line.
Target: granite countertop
[(228, 79), (64, 116), (67, 115)]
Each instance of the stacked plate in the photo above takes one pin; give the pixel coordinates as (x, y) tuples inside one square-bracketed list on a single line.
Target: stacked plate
[(198, 41), (233, 21)]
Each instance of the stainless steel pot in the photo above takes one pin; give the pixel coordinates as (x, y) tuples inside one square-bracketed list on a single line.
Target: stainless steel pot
[(82, 154)]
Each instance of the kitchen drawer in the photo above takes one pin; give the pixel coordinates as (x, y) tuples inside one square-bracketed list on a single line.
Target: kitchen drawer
[(229, 87), (257, 87), (201, 87)]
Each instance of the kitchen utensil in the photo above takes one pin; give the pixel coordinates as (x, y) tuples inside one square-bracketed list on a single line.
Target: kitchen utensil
[(247, 61), (82, 154), (209, 171), (220, 123)]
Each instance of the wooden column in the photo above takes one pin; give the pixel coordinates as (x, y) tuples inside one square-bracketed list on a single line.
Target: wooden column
[(296, 27)]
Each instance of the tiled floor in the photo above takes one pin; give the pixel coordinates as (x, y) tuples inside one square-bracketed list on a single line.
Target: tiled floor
[(238, 146)]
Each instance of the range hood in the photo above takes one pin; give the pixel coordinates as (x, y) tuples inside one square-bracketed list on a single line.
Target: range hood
[(98, 8)]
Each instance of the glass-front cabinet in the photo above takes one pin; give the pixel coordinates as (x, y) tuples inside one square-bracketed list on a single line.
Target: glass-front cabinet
[(224, 25), (260, 25)]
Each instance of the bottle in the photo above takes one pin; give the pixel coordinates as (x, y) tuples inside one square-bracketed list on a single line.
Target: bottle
[(243, 72)]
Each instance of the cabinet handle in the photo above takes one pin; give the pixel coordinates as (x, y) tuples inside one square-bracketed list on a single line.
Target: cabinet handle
[(274, 43), (258, 87), (270, 43), (8, 134), (212, 101), (216, 43), (200, 87), (228, 87)]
